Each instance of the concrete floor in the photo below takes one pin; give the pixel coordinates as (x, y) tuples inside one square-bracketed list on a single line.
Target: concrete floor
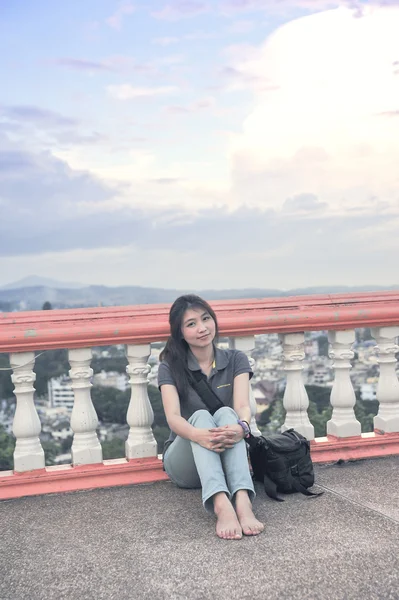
[(156, 542)]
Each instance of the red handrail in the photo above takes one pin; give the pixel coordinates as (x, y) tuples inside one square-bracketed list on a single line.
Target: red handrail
[(87, 327)]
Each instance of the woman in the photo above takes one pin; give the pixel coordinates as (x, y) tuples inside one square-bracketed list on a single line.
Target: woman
[(207, 450)]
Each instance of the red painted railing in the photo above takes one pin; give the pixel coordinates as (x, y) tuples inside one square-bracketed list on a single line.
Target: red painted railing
[(81, 328)]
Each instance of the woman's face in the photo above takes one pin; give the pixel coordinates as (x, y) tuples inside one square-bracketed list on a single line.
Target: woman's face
[(198, 327)]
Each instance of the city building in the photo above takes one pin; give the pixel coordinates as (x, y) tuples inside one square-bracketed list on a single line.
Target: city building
[(368, 391), (60, 392), (113, 379)]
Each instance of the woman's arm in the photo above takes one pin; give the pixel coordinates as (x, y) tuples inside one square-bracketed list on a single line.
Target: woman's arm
[(241, 407), (241, 397), (171, 405)]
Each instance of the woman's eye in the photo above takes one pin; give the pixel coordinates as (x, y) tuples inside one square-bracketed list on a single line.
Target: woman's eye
[(206, 318)]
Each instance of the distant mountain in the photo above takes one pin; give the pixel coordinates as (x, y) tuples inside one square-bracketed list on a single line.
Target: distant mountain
[(35, 281), (33, 297)]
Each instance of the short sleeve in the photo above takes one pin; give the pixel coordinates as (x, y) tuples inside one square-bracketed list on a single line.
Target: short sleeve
[(164, 375), (241, 364)]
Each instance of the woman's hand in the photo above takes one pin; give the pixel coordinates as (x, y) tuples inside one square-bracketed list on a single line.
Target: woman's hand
[(230, 434), (217, 439)]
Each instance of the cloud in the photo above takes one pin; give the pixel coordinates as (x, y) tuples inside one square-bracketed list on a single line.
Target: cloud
[(46, 126), (237, 79), (129, 92), (55, 215), (115, 20), (39, 116), (166, 180), (319, 132), (200, 105), (181, 9), (118, 63), (240, 73), (232, 7), (304, 203), (190, 37), (14, 162), (31, 179), (389, 113), (165, 41), (241, 27), (251, 247), (80, 64)]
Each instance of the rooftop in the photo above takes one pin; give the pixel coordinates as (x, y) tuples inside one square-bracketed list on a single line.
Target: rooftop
[(71, 531), (155, 541)]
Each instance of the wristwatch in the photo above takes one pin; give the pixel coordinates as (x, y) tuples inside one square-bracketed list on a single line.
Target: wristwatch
[(246, 428)]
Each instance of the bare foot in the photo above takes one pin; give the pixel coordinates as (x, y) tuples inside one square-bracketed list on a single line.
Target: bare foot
[(249, 523), (227, 526)]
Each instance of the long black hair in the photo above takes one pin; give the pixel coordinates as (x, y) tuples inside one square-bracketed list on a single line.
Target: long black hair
[(176, 349)]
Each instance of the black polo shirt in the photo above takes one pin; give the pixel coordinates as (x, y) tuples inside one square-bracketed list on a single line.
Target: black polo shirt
[(228, 364)]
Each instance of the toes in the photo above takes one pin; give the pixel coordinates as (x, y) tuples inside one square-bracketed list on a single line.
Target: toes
[(253, 529)]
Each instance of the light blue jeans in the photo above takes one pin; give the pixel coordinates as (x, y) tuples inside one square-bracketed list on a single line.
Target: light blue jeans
[(189, 465)]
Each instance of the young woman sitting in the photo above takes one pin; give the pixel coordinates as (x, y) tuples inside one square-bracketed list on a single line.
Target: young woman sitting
[(204, 450)]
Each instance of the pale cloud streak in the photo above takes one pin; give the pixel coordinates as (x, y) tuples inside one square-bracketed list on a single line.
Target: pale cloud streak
[(181, 9), (81, 64), (118, 64), (165, 41), (199, 105), (47, 128), (115, 21), (234, 7), (126, 91)]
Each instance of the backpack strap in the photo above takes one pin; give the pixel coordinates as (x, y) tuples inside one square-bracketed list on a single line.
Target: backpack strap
[(300, 488), (271, 489), (200, 384)]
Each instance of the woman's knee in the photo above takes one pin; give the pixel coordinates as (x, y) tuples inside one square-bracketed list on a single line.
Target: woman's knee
[(225, 416), (201, 418)]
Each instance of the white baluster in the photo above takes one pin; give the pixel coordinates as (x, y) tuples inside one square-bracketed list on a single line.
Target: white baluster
[(387, 419), (343, 422), (140, 442), (247, 344), (296, 401), (86, 448), (28, 454)]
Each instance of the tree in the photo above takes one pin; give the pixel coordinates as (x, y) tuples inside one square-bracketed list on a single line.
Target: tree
[(6, 385), (7, 445), (113, 448), (51, 451), (52, 363), (320, 395), (365, 412), (109, 363), (47, 306), (272, 418), (322, 342), (66, 444), (111, 404)]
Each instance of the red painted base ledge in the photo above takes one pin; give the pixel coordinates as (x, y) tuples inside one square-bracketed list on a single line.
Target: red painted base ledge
[(66, 478), (118, 472), (367, 445)]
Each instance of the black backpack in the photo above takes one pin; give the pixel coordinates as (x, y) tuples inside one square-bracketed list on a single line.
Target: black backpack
[(282, 463)]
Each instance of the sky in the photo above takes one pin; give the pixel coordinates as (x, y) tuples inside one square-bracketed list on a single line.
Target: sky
[(200, 144)]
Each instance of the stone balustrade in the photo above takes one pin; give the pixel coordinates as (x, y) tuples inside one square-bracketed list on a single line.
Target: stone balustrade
[(79, 330)]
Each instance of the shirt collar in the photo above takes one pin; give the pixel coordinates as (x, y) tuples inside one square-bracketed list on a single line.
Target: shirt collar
[(221, 360)]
